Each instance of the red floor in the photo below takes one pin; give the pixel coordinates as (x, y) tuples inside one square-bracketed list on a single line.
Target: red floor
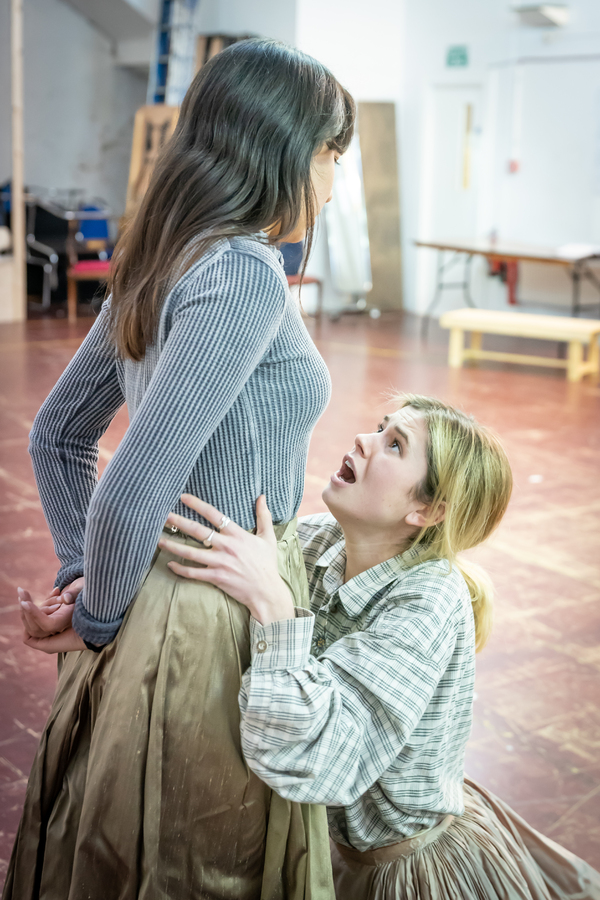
[(536, 738)]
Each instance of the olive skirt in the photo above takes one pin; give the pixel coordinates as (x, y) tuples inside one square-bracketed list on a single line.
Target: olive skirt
[(489, 853), (139, 788)]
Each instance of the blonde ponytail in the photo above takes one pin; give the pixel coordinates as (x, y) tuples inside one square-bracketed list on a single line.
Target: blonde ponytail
[(468, 474), (481, 590)]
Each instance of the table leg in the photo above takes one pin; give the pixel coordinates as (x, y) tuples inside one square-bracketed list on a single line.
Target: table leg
[(455, 348), (436, 294), (467, 282), (475, 342), (46, 299), (593, 357), (587, 273), (576, 278), (319, 299), (439, 283), (512, 280), (72, 300), (575, 360)]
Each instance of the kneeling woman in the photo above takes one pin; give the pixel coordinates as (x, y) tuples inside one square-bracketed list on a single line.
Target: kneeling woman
[(365, 702)]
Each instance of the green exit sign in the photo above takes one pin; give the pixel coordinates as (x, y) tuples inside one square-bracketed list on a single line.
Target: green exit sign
[(457, 56)]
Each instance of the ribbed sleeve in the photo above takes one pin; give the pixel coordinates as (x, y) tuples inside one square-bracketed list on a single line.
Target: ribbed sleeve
[(64, 444)]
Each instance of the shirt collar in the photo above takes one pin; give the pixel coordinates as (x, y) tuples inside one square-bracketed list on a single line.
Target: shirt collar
[(356, 593)]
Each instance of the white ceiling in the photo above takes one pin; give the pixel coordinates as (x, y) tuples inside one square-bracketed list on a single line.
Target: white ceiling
[(120, 19)]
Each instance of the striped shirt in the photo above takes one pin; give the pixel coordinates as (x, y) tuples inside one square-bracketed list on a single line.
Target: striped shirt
[(365, 702), (222, 406)]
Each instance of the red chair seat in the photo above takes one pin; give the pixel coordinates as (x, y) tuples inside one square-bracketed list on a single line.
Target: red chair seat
[(308, 279), (91, 268)]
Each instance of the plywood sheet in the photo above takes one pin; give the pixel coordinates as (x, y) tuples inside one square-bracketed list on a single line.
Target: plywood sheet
[(377, 130), (152, 128)]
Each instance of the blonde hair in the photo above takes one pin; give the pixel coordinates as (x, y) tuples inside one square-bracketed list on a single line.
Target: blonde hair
[(468, 472)]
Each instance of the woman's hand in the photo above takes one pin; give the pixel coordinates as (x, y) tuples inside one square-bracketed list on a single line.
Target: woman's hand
[(64, 642), (242, 565), (55, 613)]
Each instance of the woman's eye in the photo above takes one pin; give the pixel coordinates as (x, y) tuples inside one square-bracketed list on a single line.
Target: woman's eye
[(379, 429), (398, 446)]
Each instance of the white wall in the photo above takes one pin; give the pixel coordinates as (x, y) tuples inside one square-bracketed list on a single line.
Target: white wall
[(79, 109), (264, 18), (361, 43), (395, 50), (551, 123), (79, 106)]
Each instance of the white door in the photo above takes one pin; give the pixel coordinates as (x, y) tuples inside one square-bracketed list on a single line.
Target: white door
[(450, 185), (453, 176)]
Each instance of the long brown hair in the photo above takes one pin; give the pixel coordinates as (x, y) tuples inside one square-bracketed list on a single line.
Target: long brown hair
[(238, 162)]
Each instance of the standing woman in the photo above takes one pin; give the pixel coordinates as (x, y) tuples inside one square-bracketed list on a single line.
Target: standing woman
[(139, 788)]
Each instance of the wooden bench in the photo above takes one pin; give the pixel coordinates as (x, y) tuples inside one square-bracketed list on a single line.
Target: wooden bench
[(576, 333)]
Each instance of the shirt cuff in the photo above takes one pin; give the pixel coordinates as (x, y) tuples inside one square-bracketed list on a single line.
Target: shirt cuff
[(68, 573), (92, 630), (284, 644)]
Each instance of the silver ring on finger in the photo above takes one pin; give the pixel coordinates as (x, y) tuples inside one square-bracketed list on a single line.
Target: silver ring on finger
[(208, 541), (224, 523)]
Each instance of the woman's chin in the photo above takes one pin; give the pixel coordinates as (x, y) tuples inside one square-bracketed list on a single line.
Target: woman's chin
[(328, 495), (337, 498)]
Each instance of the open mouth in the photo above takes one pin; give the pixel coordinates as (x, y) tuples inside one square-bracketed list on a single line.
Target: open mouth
[(346, 473)]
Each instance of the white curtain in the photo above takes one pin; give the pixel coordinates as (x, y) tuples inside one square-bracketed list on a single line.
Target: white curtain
[(347, 236)]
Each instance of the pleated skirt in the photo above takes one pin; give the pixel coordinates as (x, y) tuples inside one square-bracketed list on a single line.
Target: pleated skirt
[(489, 853), (139, 789)]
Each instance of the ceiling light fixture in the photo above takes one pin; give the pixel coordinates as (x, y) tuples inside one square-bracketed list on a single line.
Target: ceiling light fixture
[(543, 15)]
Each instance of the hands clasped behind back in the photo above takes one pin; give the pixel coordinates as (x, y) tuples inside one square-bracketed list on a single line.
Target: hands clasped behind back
[(241, 564), (48, 627)]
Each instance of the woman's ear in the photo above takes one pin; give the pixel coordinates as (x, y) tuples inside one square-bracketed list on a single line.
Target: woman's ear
[(424, 517)]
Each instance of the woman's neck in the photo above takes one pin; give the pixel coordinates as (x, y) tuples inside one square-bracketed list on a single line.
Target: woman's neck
[(363, 551)]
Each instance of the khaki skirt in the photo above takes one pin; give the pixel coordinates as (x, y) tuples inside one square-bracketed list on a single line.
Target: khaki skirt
[(139, 790), (489, 853)]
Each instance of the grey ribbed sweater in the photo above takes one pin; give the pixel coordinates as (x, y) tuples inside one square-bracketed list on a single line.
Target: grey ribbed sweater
[(221, 406)]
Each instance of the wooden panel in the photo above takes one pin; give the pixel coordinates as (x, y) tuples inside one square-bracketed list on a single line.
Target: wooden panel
[(377, 131), (201, 48), (208, 45), (217, 43), (153, 126)]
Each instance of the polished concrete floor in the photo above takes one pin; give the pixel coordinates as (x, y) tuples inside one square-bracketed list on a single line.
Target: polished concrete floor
[(536, 737)]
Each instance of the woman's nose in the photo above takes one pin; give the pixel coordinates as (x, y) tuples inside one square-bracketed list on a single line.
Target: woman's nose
[(360, 442)]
